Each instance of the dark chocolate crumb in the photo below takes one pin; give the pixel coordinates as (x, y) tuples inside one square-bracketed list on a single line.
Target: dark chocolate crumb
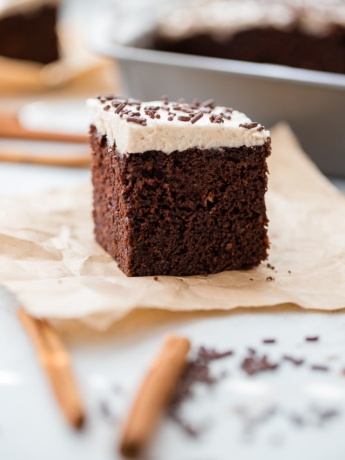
[(312, 338), (270, 266), (270, 278), (289, 271), (295, 361), (251, 279), (319, 367), (255, 364)]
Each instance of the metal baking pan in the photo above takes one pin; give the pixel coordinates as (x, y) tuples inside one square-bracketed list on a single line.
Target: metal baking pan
[(312, 102)]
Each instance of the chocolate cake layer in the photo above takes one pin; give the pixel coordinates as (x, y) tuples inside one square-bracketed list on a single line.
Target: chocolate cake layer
[(192, 212), (30, 35)]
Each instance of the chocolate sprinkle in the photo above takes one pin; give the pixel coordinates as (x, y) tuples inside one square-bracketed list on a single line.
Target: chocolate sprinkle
[(312, 338), (249, 125), (183, 118), (120, 107), (138, 120), (269, 341), (196, 117)]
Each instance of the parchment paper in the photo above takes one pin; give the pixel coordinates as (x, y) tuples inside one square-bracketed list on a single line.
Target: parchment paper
[(49, 259)]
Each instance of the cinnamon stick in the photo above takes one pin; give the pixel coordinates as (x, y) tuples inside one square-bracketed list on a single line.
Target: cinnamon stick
[(154, 395), (55, 361)]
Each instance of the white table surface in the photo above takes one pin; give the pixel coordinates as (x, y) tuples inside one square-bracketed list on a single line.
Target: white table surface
[(32, 428)]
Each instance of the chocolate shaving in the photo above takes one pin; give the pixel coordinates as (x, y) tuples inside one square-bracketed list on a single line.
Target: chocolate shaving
[(249, 125), (196, 117), (295, 361), (255, 364)]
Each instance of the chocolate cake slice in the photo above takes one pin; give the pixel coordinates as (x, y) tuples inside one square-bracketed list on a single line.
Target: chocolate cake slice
[(178, 188)]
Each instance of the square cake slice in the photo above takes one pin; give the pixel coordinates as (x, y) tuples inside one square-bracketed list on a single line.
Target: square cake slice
[(179, 189)]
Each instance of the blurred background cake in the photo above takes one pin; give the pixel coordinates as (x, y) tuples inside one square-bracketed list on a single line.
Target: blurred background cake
[(28, 30), (297, 33)]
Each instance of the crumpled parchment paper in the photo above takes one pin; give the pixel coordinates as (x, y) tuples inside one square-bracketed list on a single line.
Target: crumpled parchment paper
[(49, 259)]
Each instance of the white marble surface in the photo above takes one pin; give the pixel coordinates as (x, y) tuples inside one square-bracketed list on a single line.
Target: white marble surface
[(31, 427)]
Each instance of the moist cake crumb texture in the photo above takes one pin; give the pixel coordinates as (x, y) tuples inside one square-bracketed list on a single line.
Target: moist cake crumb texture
[(178, 212)]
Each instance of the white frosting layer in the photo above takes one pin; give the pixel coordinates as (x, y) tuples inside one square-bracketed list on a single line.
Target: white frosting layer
[(221, 18), (168, 136)]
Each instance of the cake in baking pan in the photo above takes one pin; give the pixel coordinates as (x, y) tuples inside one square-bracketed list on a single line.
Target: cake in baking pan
[(298, 33)]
